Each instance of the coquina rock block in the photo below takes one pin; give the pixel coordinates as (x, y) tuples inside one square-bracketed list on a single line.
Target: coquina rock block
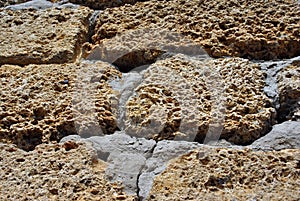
[(182, 98), (289, 92), (53, 35), (125, 156), (138, 47), (227, 174), (42, 103), (257, 29), (66, 171)]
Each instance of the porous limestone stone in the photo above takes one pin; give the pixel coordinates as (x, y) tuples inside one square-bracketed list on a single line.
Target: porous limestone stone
[(187, 99), (141, 47), (125, 156), (163, 153), (289, 92), (228, 174), (65, 171), (100, 4), (257, 29), (136, 161), (53, 35), (282, 136), (42, 103)]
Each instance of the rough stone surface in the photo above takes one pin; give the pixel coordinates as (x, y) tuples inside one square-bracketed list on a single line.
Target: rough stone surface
[(135, 48), (257, 29), (125, 157), (227, 174), (282, 136), (42, 103), (126, 129), (164, 151), (68, 171), (289, 92), (136, 161), (100, 4), (53, 35), (272, 70), (180, 98), (124, 88)]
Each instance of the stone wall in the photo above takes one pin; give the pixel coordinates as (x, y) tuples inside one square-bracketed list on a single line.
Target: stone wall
[(149, 100)]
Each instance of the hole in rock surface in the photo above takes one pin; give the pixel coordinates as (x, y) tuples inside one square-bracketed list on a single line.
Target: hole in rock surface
[(20, 160), (70, 145), (137, 60)]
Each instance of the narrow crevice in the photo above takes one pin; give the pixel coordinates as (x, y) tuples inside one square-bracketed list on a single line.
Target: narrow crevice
[(141, 172), (137, 184), (86, 46), (152, 150), (272, 70), (92, 24)]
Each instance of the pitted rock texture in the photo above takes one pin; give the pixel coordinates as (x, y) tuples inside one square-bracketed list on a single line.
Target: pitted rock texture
[(289, 92), (52, 35), (136, 161), (125, 156), (256, 29), (184, 99), (100, 4), (227, 174), (163, 152), (135, 48), (67, 171), (42, 103)]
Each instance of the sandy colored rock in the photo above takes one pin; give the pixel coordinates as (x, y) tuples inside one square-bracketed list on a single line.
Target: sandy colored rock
[(289, 92), (257, 29), (181, 98), (125, 156), (42, 103), (228, 174), (67, 171), (165, 151), (52, 35), (135, 48)]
